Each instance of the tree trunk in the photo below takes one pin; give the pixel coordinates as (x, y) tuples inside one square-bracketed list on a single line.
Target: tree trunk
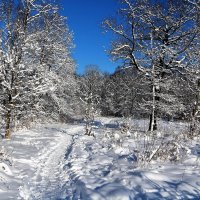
[(8, 121), (8, 117), (198, 100), (152, 123), (153, 117), (196, 111)]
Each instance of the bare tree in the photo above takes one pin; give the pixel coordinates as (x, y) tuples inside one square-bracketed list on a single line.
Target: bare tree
[(154, 37), (35, 51), (193, 72), (90, 87)]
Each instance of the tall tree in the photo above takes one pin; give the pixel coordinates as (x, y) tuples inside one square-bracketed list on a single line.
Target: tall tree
[(193, 71), (153, 36), (35, 46), (90, 88), (56, 45)]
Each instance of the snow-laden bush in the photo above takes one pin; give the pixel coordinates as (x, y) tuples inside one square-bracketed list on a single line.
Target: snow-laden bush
[(148, 146), (162, 147), (119, 134), (5, 160)]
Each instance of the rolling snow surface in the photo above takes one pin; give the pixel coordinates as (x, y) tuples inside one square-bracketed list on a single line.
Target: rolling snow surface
[(58, 161)]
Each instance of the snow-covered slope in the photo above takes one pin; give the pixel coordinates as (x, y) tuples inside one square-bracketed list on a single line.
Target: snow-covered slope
[(60, 162), (35, 167)]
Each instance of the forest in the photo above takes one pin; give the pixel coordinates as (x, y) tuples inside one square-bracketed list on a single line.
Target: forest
[(156, 88)]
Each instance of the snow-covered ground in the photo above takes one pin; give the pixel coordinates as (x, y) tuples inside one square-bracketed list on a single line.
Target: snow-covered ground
[(57, 161)]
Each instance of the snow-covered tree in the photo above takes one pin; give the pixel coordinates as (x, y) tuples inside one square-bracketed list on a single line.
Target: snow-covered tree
[(196, 3), (90, 89), (35, 60), (122, 93), (55, 56), (153, 37), (193, 72), (14, 85)]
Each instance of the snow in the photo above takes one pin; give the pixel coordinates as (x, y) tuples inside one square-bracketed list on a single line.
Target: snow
[(58, 161)]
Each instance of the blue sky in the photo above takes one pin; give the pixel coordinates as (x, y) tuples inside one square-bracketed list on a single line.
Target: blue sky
[(84, 19)]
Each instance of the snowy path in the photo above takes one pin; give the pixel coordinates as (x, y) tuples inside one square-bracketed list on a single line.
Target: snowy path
[(49, 179), (59, 162), (39, 157)]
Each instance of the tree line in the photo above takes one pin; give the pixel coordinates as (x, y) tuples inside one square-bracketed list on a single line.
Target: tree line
[(156, 41), (158, 45), (37, 72)]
